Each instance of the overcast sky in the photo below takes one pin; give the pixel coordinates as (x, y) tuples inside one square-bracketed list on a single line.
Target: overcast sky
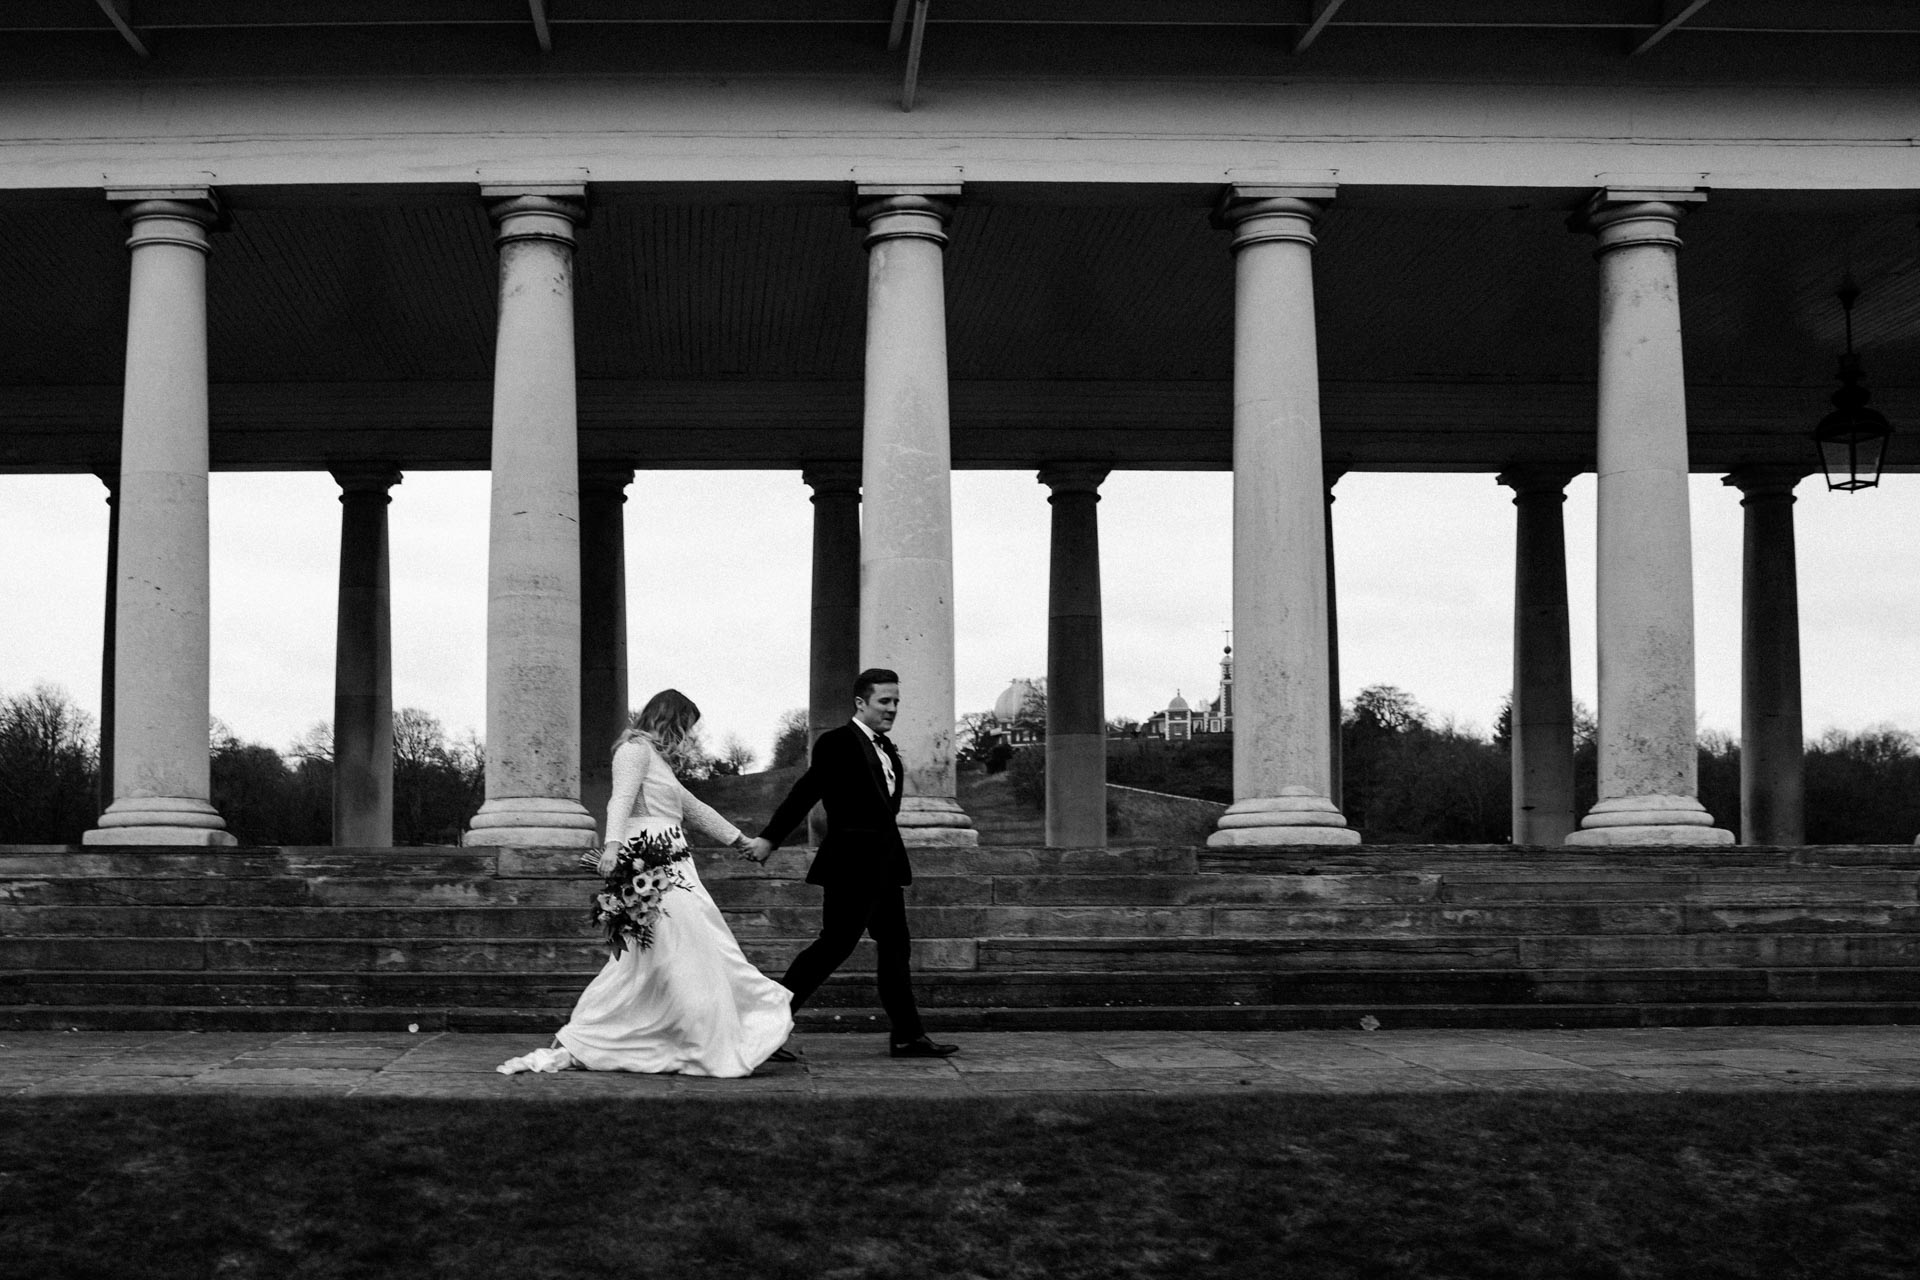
[(718, 584)]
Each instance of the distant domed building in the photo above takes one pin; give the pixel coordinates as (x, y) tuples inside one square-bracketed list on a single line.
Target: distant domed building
[(1019, 716), (1181, 721), (1015, 704)]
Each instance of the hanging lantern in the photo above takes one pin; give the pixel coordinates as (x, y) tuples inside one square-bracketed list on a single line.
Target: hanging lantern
[(1853, 438)]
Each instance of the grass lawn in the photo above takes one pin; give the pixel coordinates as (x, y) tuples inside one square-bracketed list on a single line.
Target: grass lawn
[(1468, 1185)]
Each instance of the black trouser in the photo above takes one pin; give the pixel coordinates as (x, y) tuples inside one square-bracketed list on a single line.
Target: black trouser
[(848, 911)]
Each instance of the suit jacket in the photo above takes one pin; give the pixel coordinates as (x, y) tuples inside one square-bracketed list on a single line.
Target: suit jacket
[(862, 843)]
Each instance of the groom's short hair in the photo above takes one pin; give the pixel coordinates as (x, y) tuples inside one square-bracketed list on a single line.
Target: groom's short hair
[(864, 682)]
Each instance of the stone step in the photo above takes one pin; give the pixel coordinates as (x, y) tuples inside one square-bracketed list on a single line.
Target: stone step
[(1127, 921), (930, 891), (295, 956), (439, 861), (539, 1023), (582, 951), (935, 990), (1447, 858), (443, 860), (25, 927), (1722, 950), (1744, 885)]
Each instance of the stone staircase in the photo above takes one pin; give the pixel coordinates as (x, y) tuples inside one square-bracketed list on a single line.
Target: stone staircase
[(1006, 937), (1000, 817)]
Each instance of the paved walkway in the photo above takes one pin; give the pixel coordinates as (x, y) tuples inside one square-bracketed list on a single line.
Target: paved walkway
[(397, 1064)]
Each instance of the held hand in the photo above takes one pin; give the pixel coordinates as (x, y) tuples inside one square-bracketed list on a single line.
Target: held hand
[(759, 849)]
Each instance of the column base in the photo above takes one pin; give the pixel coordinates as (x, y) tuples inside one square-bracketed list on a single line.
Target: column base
[(179, 820), (935, 821), (1295, 817), (1648, 820), (532, 822)]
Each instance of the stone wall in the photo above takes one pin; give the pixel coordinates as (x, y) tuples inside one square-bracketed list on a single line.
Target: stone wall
[(1157, 818)]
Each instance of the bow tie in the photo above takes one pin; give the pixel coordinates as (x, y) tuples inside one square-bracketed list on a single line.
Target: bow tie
[(886, 743)]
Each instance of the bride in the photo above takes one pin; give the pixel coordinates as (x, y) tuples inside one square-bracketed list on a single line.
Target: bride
[(688, 1001)]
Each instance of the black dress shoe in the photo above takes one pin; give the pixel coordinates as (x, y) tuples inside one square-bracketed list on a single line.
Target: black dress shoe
[(923, 1048), (783, 1055)]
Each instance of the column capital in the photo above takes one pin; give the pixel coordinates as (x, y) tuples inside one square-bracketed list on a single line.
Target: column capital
[(1765, 480), (366, 478), (169, 215), (1620, 217), (1537, 482), (1258, 213), (605, 477), (904, 210), (1073, 477), (535, 210), (832, 477)]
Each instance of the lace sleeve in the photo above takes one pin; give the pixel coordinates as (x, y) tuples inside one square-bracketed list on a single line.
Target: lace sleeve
[(629, 767), (704, 818)]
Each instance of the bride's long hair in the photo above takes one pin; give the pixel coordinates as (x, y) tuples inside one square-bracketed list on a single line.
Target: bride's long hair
[(667, 721)]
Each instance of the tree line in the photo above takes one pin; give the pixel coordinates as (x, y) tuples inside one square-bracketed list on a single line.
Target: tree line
[(1409, 777), (50, 776)]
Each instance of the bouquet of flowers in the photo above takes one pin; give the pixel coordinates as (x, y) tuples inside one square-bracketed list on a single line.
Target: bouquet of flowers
[(648, 866)]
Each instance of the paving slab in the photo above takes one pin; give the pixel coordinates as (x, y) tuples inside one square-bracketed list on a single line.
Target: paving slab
[(454, 1066)]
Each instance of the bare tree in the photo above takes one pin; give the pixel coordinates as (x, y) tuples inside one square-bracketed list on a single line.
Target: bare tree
[(48, 757), (735, 757), (790, 739), (973, 730), (419, 739), (315, 744)]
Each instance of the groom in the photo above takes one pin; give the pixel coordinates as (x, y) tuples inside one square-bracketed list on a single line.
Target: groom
[(862, 863)]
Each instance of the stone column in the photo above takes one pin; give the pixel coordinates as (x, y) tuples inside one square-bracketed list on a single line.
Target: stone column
[(1648, 765), (1336, 772), (1541, 720), (604, 704), (363, 664), (833, 654), (1076, 663), (533, 539), (1772, 744), (104, 774), (1282, 755), (160, 767), (906, 544)]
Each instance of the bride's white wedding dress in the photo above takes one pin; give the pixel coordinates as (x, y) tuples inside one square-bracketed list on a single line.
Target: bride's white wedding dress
[(690, 1003)]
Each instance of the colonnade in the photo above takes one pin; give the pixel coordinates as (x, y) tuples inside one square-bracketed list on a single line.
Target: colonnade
[(883, 558)]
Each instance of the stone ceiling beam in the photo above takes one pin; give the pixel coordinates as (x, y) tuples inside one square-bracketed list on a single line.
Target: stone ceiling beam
[(1323, 13), (1672, 14), (120, 14)]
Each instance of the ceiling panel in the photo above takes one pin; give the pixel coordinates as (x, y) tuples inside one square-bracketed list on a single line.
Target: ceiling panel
[(1073, 304)]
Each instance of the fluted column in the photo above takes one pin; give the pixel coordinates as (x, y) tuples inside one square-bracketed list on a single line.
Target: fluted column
[(833, 651), (363, 664), (1076, 662), (1772, 742), (1648, 763), (533, 537), (603, 630), (1336, 771), (906, 544), (104, 774), (161, 637), (1541, 714), (1282, 756)]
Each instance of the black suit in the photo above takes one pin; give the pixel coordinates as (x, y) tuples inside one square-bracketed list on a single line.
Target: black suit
[(862, 865)]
